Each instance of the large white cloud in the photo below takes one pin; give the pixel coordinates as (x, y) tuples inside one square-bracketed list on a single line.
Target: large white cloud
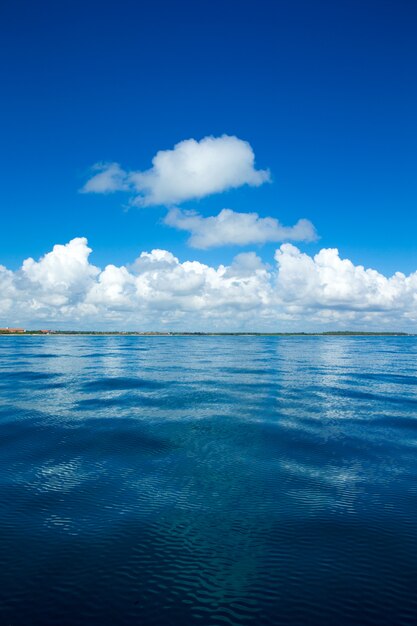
[(233, 228), (64, 290), (192, 169)]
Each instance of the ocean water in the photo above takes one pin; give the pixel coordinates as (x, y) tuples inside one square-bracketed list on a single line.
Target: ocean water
[(208, 480)]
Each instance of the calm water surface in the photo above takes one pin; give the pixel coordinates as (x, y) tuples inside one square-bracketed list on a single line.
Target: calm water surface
[(208, 481)]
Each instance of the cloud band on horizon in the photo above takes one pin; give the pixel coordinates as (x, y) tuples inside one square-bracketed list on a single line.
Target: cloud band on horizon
[(158, 291)]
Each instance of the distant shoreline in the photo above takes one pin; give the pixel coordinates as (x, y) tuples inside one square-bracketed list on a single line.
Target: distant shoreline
[(87, 333)]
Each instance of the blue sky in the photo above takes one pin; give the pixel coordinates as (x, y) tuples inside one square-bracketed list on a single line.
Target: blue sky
[(324, 92)]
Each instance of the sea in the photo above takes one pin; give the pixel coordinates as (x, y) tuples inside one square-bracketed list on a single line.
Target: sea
[(208, 480)]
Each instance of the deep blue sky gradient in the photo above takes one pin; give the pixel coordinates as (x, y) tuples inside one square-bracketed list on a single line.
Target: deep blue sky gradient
[(325, 92)]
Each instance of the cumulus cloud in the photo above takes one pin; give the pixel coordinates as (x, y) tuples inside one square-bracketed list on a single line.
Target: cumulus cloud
[(327, 281), (60, 278), (192, 169), (233, 228), (64, 289)]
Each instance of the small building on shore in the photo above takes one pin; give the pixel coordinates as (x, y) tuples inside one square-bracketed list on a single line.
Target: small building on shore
[(12, 331)]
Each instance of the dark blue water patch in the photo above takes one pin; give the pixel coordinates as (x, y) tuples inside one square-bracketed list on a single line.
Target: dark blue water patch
[(251, 371), (95, 355), (397, 422), (250, 386), (323, 444), (351, 393), (134, 349), (189, 398), (11, 413), (382, 377), (19, 432), (46, 355), (20, 382), (31, 441), (401, 379), (26, 376), (31, 358), (175, 398), (126, 437), (120, 383)]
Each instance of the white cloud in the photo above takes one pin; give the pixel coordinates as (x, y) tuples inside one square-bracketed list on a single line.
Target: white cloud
[(63, 289), (110, 178), (192, 169), (327, 281), (232, 228), (66, 268)]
